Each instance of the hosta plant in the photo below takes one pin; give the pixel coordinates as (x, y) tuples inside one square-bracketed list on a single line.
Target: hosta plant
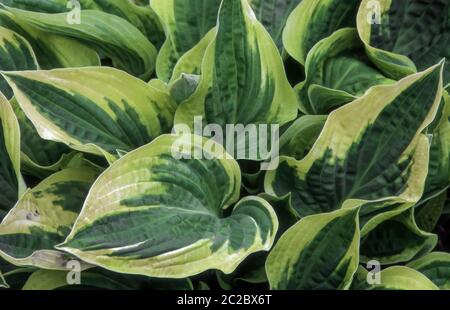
[(232, 144)]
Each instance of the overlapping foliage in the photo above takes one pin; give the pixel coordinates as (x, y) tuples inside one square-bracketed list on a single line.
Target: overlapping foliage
[(88, 171)]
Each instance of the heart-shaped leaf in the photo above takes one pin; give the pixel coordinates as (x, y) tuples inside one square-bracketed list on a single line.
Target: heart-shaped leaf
[(159, 211), (369, 150)]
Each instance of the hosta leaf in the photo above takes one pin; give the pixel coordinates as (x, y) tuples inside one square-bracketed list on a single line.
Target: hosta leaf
[(184, 87), (299, 138), (369, 150), (407, 34), (113, 36), (11, 182), (436, 267), (313, 20), (52, 51), (273, 14), (397, 278), (90, 110), (15, 54), (319, 252), (243, 80), (42, 218), (153, 214), (142, 17), (337, 72), (3, 281), (101, 279), (395, 238), (185, 23), (427, 214), (438, 178), (191, 61), (45, 6), (39, 157)]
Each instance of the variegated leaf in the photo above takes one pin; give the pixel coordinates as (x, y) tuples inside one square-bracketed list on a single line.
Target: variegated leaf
[(40, 157), (394, 278), (400, 35), (101, 279), (436, 267), (314, 20), (191, 61), (110, 35), (319, 252), (11, 182), (159, 211), (52, 51), (185, 23), (369, 150), (142, 17), (15, 54), (337, 72), (438, 178), (3, 283), (394, 237), (89, 109), (243, 80), (43, 217), (273, 14), (299, 138)]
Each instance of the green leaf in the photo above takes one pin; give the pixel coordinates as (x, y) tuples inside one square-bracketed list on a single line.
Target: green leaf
[(184, 87), (243, 80), (11, 181), (427, 214), (101, 279), (15, 54), (314, 20), (159, 213), (52, 51), (191, 61), (408, 33), (185, 23), (299, 138), (319, 252), (369, 150), (337, 72), (40, 157), (89, 109), (397, 278), (3, 283), (45, 6), (142, 17), (110, 35), (273, 14), (438, 178), (436, 267), (43, 217), (394, 237)]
